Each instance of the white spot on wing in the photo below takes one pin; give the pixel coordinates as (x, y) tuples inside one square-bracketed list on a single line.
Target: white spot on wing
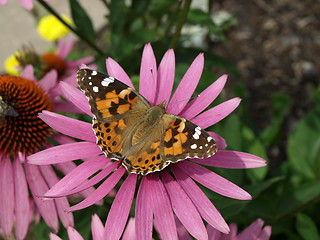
[(95, 89), (105, 82), (90, 83), (209, 139), (193, 146), (197, 133), (94, 73)]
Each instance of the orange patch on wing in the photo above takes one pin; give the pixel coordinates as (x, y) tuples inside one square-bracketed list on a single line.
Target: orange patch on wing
[(121, 124), (168, 151), (124, 93), (102, 104), (123, 108), (182, 137), (155, 145), (168, 135), (113, 96)]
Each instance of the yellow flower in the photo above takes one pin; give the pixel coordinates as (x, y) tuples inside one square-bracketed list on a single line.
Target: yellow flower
[(11, 64), (51, 29)]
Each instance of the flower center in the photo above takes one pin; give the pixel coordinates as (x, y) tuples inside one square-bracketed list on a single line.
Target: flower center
[(51, 61), (21, 130)]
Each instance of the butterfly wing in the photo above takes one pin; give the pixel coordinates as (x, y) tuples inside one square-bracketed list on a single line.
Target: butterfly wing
[(182, 139), (117, 110)]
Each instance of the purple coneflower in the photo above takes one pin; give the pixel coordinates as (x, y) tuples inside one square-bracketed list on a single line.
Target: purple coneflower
[(255, 231), (22, 132), (162, 195)]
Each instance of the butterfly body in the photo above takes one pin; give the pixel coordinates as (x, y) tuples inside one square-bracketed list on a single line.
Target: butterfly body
[(144, 137)]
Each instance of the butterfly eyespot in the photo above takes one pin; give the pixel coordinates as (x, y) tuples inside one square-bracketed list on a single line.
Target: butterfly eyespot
[(146, 161), (114, 143), (106, 125), (139, 159)]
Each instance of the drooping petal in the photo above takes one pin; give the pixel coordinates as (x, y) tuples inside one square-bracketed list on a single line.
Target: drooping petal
[(181, 230), (73, 234), (144, 211), (69, 126), (163, 215), (28, 72), (213, 233), (64, 47), (76, 97), (94, 180), (6, 196), (221, 143), (232, 159), (187, 86), (38, 187), (252, 231), (101, 191), (265, 233), (116, 71), (130, 232), (61, 203), (216, 114), (76, 177), (148, 74), (213, 181), (49, 80), (204, 99), (119, 211), (64, 153), (54, 237), (201, 201), (166, 73), (97, 228), (184, 208), (22, 205)]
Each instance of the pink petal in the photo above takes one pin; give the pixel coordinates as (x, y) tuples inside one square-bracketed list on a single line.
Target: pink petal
[(94, 180), (64, 47), (116, 71), (69, 126), (206, 209), (3, 2), (64, 153), (71, 80), (187, 86), (221, 143), (252, 231), (204, 99), (97, 228), (130, 232), (148, 74), (217, 113), (54, 237), (163, 215), (119, 212), (265, 233), (182, 232), (27, 4), (61, 203), (101, 191), (28, 72), (38, 187), (66, 107), (76, 177), (6, 196), (74, 65), (73, 234), (76, 97), (22, 204), (184, 208), (213, 181), (49, 80), (232, 159), (213, 233), (165, 77), (144, 211)]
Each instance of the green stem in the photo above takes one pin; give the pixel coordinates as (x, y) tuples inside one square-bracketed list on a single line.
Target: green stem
[(74, 30), (182, 20)]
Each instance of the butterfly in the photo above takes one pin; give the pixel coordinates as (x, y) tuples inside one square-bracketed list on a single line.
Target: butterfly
[(144, 137)]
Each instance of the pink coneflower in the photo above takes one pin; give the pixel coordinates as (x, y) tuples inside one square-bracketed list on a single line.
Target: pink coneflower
[(22, 132), (162, 195), (255, 231)]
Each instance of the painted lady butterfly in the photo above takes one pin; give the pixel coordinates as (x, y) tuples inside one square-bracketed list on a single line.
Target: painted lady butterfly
[(143, 137)]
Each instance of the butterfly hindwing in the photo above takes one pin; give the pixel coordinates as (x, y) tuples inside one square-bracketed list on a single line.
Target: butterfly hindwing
[(182, 139)]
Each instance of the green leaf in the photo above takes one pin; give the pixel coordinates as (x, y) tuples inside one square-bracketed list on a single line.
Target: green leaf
[(304, 145), (307, 228), (298, 198), (82, 20)]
